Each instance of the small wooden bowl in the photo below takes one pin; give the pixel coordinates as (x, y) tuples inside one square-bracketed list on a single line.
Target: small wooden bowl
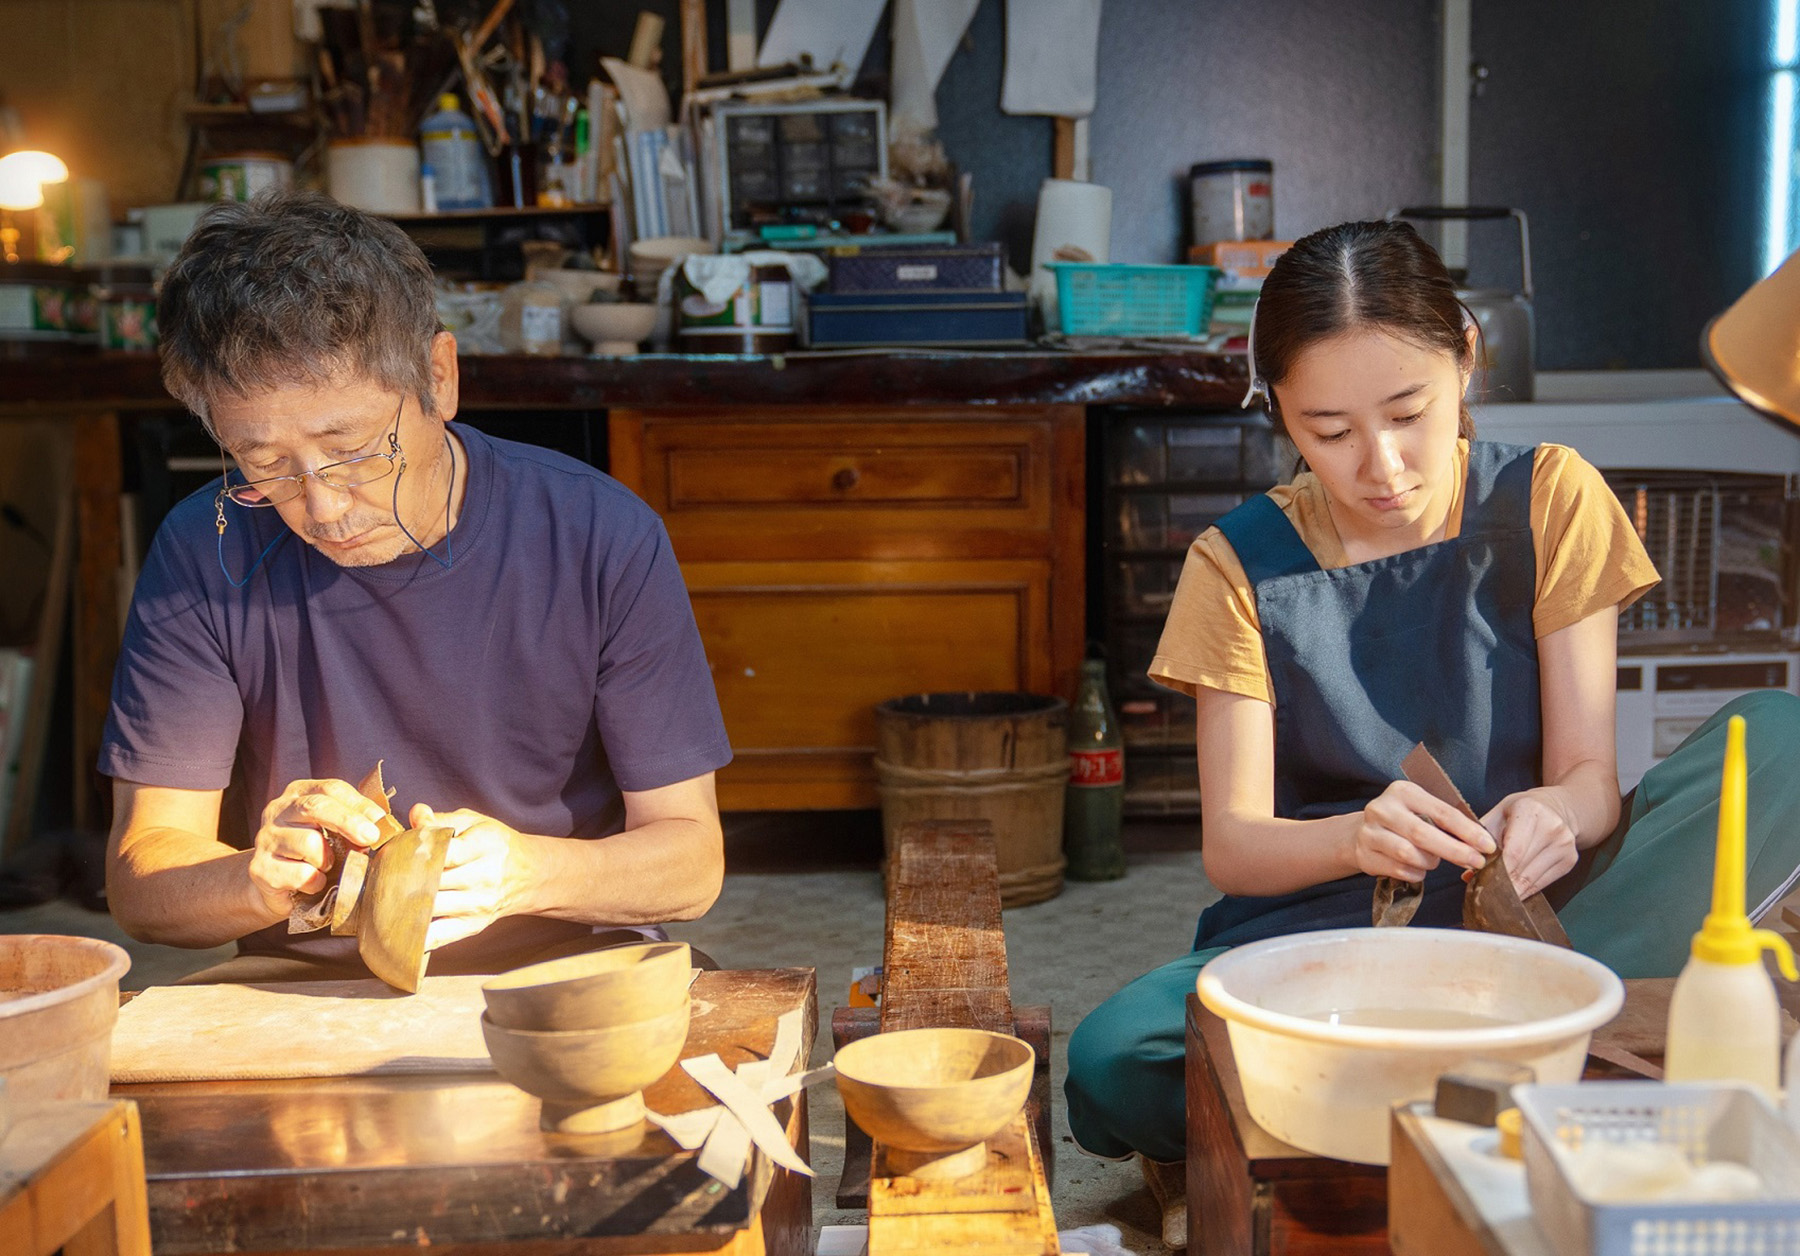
[(598, 990), (933, 1097), (591, 1081)]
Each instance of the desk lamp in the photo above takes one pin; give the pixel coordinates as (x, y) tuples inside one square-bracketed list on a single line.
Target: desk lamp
[(1754, 346), (22, 178)]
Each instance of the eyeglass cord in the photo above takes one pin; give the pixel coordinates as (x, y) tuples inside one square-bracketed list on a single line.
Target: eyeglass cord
[(449, 549)]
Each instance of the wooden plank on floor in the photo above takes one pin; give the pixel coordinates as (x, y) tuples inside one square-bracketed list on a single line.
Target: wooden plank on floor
[(944, 965)]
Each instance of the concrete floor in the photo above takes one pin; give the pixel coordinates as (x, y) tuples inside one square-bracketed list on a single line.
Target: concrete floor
[(816, 901)]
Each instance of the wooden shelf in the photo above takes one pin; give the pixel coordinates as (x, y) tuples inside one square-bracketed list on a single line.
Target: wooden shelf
[(73, 1173)]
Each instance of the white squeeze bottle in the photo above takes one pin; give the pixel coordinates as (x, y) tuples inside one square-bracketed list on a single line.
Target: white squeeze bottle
[(449, 144), (1724, 1022)]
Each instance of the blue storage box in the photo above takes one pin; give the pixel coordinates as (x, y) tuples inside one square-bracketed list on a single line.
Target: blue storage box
[(844, 319)]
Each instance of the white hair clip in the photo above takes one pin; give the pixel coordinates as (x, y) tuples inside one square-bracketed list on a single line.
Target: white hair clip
[(1259, 387)]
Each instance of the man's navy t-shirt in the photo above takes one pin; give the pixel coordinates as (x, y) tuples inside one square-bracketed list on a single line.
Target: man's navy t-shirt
[(553, 665)]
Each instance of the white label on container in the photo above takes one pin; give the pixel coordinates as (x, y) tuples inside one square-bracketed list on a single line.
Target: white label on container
[(777, 304), (540, 325), (915, 274)]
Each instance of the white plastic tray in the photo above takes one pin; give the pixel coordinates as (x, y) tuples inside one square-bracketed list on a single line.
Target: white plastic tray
[(1707, 1121)]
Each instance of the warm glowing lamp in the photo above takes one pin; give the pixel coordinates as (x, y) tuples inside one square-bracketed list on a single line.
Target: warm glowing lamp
[(22, 178)]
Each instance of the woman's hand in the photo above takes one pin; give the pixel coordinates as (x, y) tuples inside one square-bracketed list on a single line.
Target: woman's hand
[(291, 854), (484, 874), (1537, 829), (1405, 832)]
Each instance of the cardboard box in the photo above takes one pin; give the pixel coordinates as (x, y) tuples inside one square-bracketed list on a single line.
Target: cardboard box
[(1247, 259)]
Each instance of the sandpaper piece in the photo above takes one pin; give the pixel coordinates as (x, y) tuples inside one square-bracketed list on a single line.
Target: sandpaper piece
[(397, 903), (355, 861), (335, 905), (1490, 902), (1397, 901)]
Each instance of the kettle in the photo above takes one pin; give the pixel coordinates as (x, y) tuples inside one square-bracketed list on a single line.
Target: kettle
[(1506, 352)]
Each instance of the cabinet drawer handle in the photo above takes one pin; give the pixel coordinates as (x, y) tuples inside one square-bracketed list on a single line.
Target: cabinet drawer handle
[(846, 479)]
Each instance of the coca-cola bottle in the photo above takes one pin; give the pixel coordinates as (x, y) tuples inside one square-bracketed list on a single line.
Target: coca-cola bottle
[(1094, 806)]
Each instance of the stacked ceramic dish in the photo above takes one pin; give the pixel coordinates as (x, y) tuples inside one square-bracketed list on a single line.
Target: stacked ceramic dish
[(587, 1033)]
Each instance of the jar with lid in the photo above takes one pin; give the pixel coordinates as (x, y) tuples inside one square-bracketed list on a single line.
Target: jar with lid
[(126, 297), (1232, 200), (532, 318)]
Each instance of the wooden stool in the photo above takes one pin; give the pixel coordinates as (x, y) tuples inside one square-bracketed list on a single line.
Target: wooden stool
[(72, 1176)]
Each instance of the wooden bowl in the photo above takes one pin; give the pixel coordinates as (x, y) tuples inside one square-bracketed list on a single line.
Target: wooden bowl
[(614, 321), (933, 1097), (617, 986), (591, 1081)]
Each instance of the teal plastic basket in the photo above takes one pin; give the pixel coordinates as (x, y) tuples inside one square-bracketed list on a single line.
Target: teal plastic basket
[(1116, 299)]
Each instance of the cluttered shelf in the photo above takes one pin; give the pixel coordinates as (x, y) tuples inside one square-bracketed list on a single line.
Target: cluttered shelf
[(34, 378)]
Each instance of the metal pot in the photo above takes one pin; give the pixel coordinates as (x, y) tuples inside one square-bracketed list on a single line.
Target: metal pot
[(1507, 348)]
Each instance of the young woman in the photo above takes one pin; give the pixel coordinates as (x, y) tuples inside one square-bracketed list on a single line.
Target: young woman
[(1411, 585)]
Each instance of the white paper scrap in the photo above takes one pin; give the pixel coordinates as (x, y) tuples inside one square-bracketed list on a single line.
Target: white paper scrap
[(831, 32), (748, 1107)]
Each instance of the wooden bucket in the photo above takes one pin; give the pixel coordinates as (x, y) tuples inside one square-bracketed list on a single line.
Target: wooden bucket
[(999, 757)]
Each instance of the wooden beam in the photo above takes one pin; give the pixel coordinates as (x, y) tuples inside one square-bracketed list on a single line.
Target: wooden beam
[(944, 964), (693, 44), (1062, 163)]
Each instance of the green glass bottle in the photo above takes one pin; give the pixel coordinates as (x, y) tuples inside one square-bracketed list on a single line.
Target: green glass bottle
[(1094, 805)]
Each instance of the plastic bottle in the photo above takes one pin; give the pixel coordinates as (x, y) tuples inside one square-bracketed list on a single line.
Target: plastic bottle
[(449, 144), (1724, 1021), (1094, 805)]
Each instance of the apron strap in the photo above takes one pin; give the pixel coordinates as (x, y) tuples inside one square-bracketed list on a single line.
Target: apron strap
[(1497, 494), (1265, 540)]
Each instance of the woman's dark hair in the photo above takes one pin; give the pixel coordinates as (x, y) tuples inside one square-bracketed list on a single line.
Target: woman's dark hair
[(1378, 275)]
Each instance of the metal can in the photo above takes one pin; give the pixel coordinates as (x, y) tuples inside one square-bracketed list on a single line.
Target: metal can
[(1232, 200), (127, 302), (240, 176)]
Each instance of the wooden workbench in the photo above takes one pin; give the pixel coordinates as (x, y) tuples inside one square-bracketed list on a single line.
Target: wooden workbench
[(72, 1178), (396, 1163)]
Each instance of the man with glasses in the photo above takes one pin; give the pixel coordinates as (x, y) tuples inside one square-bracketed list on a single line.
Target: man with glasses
[(505, 627)]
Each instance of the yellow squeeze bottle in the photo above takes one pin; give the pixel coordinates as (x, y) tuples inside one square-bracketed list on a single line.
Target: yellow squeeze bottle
[(1724, 1021)]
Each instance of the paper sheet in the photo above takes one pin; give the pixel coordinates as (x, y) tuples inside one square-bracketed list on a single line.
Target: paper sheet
[(831, 32), (926, 33), (1052, 54)]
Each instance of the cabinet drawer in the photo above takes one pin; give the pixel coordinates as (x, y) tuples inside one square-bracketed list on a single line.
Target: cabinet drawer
[(834, 488)]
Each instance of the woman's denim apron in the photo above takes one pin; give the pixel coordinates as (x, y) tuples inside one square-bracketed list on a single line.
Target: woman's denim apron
[(1371, 659)]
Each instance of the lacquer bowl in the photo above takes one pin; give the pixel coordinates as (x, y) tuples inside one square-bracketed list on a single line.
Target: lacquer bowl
[(595, 990), (591, 1081), (933, 1097)]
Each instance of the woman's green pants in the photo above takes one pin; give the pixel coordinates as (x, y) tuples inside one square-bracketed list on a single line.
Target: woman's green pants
[(1634, 903)]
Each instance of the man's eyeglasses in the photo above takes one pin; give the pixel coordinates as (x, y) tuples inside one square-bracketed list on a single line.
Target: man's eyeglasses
[(338, 475)]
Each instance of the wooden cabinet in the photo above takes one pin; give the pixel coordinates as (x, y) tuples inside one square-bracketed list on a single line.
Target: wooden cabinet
[(838, 557)]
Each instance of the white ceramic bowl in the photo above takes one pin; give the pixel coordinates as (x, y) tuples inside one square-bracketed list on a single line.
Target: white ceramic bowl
[(623, 321), (579, 286), (660, 251), (1429, 999)]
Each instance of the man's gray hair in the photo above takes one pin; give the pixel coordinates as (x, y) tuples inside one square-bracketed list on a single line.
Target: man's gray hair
[(295, 289)]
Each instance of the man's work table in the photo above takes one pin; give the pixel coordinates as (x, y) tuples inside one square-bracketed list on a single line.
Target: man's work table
[(399, 1162)]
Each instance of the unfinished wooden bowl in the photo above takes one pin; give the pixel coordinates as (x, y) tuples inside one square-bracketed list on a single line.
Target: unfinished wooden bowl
[(593, 991), (394, 910), (933, 1097), (591, 1081)]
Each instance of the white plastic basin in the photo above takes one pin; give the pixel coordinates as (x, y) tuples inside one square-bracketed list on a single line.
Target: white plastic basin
[(59, 997), (1439, 997)]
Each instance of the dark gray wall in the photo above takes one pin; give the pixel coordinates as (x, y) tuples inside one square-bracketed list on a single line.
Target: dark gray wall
[(1635, 139), (1340, 94)]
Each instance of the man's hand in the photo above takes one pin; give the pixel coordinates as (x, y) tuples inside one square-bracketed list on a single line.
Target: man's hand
[(290, 855), (484, 878), (1537, 830)]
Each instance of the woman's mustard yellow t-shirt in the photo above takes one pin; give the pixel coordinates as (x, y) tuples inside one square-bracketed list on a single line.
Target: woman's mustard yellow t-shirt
[(1588, 557)]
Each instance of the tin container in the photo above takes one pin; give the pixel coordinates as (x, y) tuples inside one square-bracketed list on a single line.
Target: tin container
[(758, 318), (240, 176), (126, 301), (1232, 200)]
